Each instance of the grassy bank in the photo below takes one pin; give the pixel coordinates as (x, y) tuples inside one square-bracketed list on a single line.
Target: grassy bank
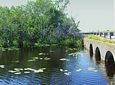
[(93, 37)]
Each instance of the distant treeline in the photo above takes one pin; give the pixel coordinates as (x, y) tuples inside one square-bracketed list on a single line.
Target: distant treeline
[(38, 23)]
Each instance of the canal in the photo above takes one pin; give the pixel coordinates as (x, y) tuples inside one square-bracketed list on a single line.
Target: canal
[(52, 66)]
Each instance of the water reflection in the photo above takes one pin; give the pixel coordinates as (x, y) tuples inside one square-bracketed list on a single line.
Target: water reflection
[(110, 70), (49, 66)]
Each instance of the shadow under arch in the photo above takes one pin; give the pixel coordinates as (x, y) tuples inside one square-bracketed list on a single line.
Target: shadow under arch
[(91, 50), (109, 60), (110, 70), (97, 55)]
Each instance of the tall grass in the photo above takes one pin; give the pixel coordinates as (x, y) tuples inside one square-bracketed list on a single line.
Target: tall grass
[(93, 37)]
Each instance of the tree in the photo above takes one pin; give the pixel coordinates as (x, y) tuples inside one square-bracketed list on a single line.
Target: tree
[(39, 22)]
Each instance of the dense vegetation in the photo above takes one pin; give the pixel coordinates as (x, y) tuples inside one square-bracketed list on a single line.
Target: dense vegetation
[(38, 23)]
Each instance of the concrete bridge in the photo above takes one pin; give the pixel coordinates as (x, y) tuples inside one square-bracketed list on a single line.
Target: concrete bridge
[(101, 50)]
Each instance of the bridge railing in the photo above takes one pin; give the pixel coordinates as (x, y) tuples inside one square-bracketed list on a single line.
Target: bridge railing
[(107, 35)]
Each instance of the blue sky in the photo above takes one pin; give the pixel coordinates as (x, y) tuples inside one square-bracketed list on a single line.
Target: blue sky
[(12, 2), (94, 15)]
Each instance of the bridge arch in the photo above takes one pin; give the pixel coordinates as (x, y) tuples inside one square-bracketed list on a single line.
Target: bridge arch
[(97, 54), (109, 60), (91, 50)]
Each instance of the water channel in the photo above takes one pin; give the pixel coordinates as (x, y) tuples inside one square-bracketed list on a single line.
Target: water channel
[(52, 66)]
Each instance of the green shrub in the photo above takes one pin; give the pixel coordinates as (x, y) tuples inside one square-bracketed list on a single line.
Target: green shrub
[(71, 42)]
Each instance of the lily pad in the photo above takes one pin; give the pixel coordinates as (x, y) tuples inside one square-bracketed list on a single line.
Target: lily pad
[(18, 69), (43, 68), (3, 49), (61, 70), (41, 58), (26, 72), (95, 70), (66, 70), (52, 51), (39, 71), (17, 61), (67, 73), (66, 50), (28, 69), (11, 71), (46, 58), (41, 54), (64, 59), (2, 66), (72, 54), (36, 58), (17, 73), (92, 69), (31, 60), (78, 70)]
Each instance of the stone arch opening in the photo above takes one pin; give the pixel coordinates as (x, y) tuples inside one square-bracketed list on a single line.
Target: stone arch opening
[(109, 60), (97, 54), (91, 50)]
